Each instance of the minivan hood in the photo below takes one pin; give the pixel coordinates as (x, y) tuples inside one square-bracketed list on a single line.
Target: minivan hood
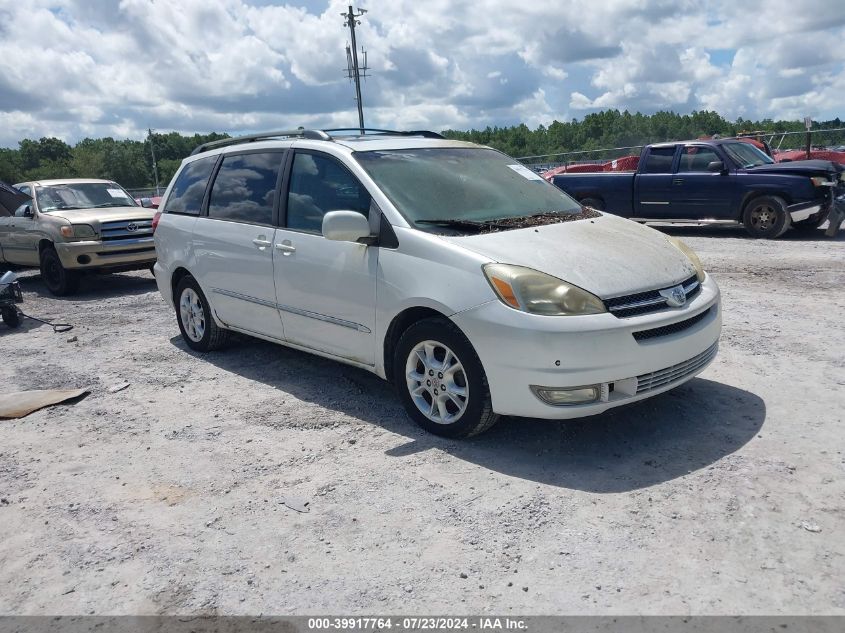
[(608, 256), (107, 214)]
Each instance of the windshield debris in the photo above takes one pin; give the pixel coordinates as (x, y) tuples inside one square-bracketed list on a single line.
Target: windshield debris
[(505, 224)]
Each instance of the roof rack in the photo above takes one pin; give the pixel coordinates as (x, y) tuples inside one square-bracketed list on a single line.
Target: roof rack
[(316, 135), (379, 132)]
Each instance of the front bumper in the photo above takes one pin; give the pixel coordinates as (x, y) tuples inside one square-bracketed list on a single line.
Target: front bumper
[(519, 350), (804, 210), (138, 252)]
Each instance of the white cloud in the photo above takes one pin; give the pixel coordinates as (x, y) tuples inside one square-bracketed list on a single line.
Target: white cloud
[(103, 67)]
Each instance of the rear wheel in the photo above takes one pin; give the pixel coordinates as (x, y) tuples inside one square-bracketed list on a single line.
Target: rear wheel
[(196, 323), (766, 217), (57, 278), (440, 380), (11, 316)]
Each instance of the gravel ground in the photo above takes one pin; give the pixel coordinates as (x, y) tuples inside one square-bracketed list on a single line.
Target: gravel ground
[(725, 495)]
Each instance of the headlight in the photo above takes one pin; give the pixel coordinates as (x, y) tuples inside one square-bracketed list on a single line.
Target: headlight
[(78, 230), (686, 250), (821, 181), (538, 293)]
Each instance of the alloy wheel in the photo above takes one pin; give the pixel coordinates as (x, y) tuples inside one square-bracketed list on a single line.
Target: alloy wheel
[(437, 382), (763, 217), (192, 314)]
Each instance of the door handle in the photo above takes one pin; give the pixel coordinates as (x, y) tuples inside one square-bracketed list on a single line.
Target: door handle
[(261, 243), (286, 247), (678, 181)]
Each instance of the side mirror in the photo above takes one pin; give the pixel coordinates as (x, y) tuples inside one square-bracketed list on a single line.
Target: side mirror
[(27, 212), (716, 165), (147, 203), (345, 226)]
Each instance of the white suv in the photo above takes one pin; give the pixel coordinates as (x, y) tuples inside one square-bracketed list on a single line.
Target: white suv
[(448, 268)]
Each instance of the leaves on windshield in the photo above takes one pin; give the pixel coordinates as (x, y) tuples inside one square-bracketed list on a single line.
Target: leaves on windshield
[(506, 224)]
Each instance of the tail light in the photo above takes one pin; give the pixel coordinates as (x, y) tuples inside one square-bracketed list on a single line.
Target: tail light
[(156, 218)]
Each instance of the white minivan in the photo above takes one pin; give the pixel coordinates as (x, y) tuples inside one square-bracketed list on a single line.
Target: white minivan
[(447, 268)]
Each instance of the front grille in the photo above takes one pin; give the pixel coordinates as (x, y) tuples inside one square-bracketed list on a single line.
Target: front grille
[(672, 328), (649, 301), (126, 230), (657, 379)]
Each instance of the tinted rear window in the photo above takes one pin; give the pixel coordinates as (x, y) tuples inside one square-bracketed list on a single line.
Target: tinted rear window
[(659, 160), (244, 189), (189, 188)]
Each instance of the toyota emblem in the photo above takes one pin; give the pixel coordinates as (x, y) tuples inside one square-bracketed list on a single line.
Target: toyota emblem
[(131, 227), (675, 297)]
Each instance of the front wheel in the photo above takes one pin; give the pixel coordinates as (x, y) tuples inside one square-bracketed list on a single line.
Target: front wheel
[(57, 278), (196, 323), (440, 380), (766, 217), (11, 317)]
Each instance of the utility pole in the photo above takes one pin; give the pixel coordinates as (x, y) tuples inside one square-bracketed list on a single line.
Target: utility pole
[(155, 167), (353, 70)]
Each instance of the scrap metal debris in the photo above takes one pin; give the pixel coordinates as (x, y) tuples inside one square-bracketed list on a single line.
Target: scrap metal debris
[(18, 404), (296, 503)]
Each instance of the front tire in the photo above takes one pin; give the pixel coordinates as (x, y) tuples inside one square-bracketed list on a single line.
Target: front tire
[(766, 217), (441, 381), (59, 281), (11, 317), (196, 322)]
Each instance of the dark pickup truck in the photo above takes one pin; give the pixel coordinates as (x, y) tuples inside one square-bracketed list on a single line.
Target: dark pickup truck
[(716, 181)]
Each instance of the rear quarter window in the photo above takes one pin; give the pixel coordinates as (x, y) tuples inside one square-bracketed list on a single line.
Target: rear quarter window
[(189, 189), (659, 160)]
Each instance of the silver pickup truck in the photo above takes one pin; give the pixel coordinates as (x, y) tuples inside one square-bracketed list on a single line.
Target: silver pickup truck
[(75, 225)]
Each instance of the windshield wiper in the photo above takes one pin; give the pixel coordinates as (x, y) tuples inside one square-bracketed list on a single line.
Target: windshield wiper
[(478, 225), (109, 204)]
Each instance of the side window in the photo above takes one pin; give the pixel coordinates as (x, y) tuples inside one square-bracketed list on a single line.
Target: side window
[(319, 184), (189, 188), (245, 188), (25, 189), (20, 212), (697, 158), (659, 160)]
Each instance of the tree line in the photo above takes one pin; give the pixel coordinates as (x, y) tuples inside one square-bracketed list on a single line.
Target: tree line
[(129, 162)]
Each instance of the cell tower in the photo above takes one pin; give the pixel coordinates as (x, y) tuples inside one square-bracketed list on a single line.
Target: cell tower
[(353, 70)]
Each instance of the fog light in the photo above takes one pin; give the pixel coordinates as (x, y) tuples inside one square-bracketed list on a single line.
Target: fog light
[(559, 397)]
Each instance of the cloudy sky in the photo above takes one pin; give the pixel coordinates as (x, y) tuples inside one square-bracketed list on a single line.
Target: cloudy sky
[(77, 68)]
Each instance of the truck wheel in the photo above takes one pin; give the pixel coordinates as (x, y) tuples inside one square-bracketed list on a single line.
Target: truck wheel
[(11, 317), (193, 314), (593, 202), (440, 380), (57, 278), (813, 222), (766, 217)]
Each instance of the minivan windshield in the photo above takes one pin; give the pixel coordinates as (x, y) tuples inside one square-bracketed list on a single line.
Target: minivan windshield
[(461, 186), (746, 155), (82, 195)]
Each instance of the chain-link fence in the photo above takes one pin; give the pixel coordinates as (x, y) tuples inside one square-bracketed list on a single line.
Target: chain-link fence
[(829, 140)]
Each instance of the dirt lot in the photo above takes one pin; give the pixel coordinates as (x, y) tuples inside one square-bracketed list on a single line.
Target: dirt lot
[(726, 495)]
